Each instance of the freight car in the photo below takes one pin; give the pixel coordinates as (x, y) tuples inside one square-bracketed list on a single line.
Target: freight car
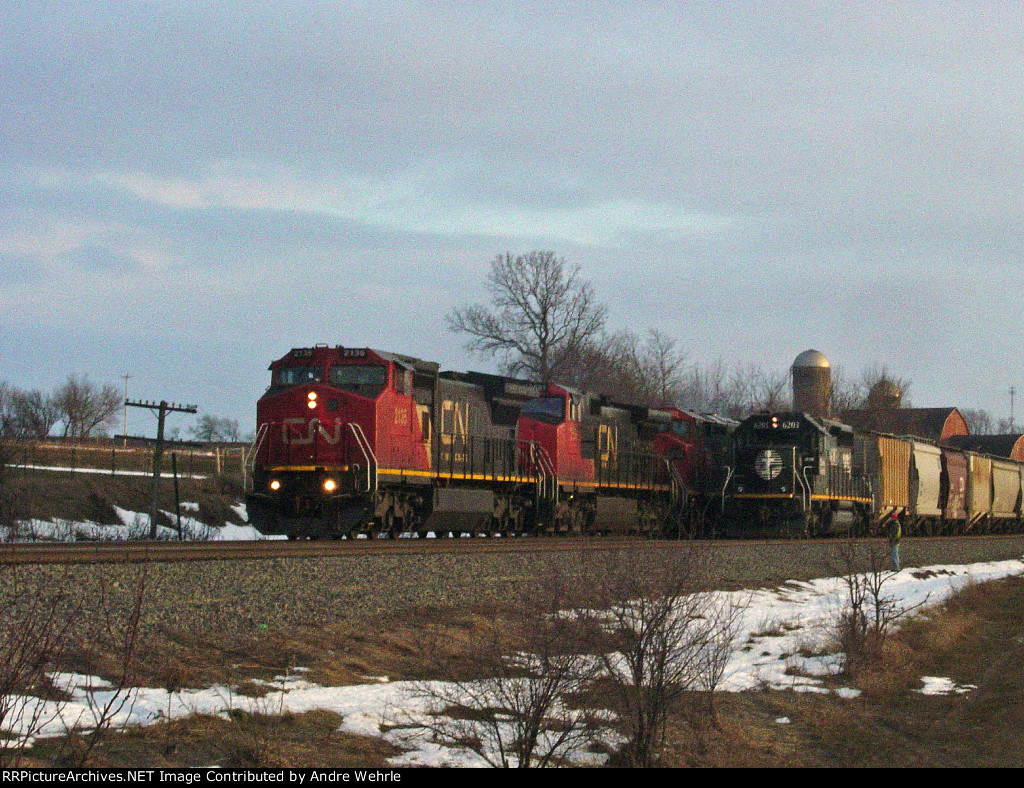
[(356, 440), (795, 474)]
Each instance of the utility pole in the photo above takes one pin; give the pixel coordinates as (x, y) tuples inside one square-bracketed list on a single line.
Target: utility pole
[(1013, 391), (161, 408), (126, 377)]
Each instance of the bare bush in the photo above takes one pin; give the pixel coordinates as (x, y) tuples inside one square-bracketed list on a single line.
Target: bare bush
[(635, 632), (114, 641), (660, 635), (868, 613), (253, 738), (38, 633), (32, 639), (510, 701)]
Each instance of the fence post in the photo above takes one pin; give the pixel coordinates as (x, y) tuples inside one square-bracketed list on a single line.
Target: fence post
[(113, 461), (177, 497)]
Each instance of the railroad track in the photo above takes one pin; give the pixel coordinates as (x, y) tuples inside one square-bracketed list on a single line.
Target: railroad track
[(111, 552), (136, 552)]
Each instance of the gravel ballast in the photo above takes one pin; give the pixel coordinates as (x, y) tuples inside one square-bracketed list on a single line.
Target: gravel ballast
[(218, 596)]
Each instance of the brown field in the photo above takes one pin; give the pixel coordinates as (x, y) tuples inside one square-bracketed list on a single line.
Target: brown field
[(976, 638)]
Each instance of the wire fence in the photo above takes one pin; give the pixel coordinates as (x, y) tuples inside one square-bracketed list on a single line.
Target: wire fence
[(192, 461)]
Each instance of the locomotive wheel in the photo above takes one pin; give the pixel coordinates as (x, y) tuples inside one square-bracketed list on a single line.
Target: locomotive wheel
[(512, 524), (391, 525)]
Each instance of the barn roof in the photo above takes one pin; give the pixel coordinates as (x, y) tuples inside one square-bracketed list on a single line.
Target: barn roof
[(1011, 445), (935, 424)]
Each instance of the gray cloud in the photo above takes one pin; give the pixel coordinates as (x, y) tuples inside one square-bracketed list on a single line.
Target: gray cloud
[(752, 178)]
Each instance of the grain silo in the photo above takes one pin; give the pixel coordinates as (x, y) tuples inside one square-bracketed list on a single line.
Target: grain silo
[(812, 383), (885, 395)]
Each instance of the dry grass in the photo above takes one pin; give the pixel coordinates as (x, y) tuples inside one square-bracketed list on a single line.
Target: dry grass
[(976, 638), (237, 740)]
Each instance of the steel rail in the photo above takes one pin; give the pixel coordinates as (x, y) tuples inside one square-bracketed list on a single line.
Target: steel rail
[(112, 552)]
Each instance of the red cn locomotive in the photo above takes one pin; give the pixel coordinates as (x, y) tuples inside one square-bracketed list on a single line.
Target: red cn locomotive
[(355, 440), (625, 467)]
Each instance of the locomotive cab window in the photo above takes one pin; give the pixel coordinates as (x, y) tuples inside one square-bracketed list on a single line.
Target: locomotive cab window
[(681, 428), (403, 381), (365, 381), (293, 376), (547, 409)]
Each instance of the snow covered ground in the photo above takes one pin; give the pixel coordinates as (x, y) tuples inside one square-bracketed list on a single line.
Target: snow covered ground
[(134, 525), (101, 471), (776, 627)]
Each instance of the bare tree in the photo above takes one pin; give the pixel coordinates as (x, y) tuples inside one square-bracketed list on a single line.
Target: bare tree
[(6, 408), (212, 429), (662, 364), (599, 365), (706, 389), (1005, 426), (627, 368), (761, 390), (541, 310), (26, 414), (979, 421), (86, 408), (876, 374), (35, 414), (845, 394), (734, 391)]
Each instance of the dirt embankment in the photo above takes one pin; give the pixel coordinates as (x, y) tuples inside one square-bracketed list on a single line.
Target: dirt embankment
[(77, 497)]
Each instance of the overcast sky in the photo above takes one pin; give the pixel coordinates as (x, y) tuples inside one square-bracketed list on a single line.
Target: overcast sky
[(188, 190)]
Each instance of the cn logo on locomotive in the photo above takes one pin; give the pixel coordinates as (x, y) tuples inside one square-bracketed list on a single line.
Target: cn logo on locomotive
[(291, 432)]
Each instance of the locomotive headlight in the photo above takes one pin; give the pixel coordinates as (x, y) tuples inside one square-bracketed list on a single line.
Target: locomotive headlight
[(330, 485), (311, 395), (275, 485), (312, 400)]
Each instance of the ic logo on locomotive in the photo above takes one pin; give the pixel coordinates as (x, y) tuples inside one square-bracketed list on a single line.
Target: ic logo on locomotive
[(768, 465)]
